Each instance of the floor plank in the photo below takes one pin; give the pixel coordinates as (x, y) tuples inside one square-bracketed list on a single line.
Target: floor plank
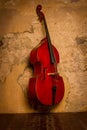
[(44, 121)]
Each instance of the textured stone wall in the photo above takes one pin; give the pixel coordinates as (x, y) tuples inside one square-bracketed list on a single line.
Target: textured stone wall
[(20, 32)]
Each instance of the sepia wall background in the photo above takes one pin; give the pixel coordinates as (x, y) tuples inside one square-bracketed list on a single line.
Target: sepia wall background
[(20, 32)]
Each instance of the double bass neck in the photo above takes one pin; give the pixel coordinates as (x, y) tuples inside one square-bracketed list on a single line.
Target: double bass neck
[(42, 18)]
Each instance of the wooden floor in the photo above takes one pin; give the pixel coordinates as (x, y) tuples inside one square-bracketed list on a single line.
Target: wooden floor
[(58, 121)]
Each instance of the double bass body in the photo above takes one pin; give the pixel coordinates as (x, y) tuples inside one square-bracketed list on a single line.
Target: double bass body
[(47, 86)]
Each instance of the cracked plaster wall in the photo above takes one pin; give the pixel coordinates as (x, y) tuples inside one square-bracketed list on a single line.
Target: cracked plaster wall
[(20, 32)]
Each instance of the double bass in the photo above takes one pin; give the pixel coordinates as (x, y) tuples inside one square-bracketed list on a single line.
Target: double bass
[(47, 86)]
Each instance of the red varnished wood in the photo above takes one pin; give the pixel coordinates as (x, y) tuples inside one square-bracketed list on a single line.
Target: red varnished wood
[(44, 59), (41, 86)]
